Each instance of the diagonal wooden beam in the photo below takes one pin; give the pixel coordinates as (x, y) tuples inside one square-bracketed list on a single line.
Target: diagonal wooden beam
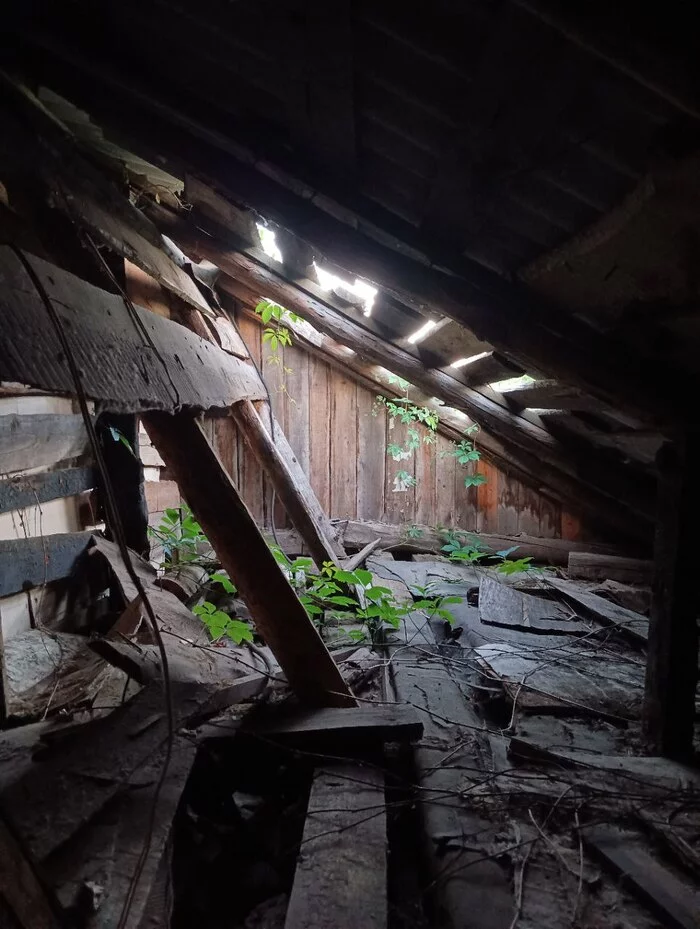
[(218, 507)]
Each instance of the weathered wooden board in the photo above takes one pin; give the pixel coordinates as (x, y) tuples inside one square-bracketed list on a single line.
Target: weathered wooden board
[(20, 887), (28, 490), (669, 897), (501, 605), (365, 724), (26, 563), (344, 448), (610, 614), (127, 364), (35, 441), (341, 874), (594, 567), (570, 679)]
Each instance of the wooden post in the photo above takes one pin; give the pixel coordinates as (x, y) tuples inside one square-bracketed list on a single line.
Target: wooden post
[(672, 664), (126, 476), (269, 456), (217, 505)]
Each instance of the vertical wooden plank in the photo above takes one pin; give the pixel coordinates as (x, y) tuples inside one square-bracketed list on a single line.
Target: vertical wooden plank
[(399, 505), (444, 484), (487, 497), (320, 431), (529, 511), (465, 498), (371, 455), (226, 444), (297, 404), (343, 446), (250, 475), (426, 471), (273, 366), (551, 519), (508, 504)]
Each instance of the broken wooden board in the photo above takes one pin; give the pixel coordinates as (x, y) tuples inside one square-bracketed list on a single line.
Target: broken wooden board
[(632, 624), (569, 679), (347, 726), (32, 489), (593, 567), (671, 899), (501, 605), (341, 876), (40, 440), (21, 889), (128, 364), (104, 855), (33, 562)]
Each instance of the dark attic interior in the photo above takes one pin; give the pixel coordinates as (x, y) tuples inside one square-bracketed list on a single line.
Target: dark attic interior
[(349, 456)]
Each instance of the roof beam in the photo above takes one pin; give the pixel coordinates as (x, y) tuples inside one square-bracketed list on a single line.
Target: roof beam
[(376, 245)]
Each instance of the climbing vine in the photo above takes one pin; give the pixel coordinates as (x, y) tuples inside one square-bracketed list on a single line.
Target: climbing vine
[(276, 336)]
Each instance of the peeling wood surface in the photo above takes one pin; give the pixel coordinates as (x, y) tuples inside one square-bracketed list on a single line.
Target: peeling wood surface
[(168, 367)]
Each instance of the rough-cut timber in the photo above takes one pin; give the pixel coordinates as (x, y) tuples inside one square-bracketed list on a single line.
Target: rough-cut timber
[(672, 663), (358, 533), (634, 625), (304, 516), (39, 440), (26, 563), (341, 874), (129, 364), (28, 490), (594, 567), (278, 614)]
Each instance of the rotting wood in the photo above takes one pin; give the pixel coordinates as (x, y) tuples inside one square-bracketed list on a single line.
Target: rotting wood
[(20, 886), (26, 563), (359, 533), (501, 605), (672, 663), (168, 367), (270, 455), (362, 725), (217, 505), (354, 561), (610, 614), (669, 897), (40, 440), (593, 567), (341, 873), (32, 489)]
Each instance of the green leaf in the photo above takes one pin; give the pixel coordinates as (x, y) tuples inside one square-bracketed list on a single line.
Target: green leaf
[(474, 480), (507, 551), (225, 582), (363, 577), (342, 601), (239, 631)]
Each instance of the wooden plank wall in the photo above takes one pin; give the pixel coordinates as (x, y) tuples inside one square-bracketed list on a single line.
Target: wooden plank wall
[(340, 438)]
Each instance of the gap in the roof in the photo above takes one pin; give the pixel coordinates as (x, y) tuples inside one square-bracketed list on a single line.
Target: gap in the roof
[(268, 242), (421, 333), (512, 383), (463, 362), (365, 293)]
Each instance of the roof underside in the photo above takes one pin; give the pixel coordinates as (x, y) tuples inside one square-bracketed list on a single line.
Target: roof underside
[(486, 146)]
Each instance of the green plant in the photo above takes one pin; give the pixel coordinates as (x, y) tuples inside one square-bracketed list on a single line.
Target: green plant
[(277, 336), (460, 546), (181, 537), (435, 605), (413, 532), (220, 624)]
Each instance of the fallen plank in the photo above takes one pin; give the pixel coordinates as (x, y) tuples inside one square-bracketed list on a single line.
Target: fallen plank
[(297, 498), (565, 679), (670, 898), (364, 724), (359, 533), (40, 440), (341, 873), (501, 605), (356, 560), (20, 887), (278, 614), (634, 625), (593, 567), (32, 489), (26, 563), (128, 365)]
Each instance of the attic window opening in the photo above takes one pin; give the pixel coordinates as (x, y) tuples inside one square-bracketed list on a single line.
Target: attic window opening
[(268, 242), (358, 293), (421, 333), (512, 383), (463, 362)]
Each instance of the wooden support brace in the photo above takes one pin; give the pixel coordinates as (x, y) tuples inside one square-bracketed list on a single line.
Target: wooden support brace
[(290, 493), (217, 505), (672, 663)]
